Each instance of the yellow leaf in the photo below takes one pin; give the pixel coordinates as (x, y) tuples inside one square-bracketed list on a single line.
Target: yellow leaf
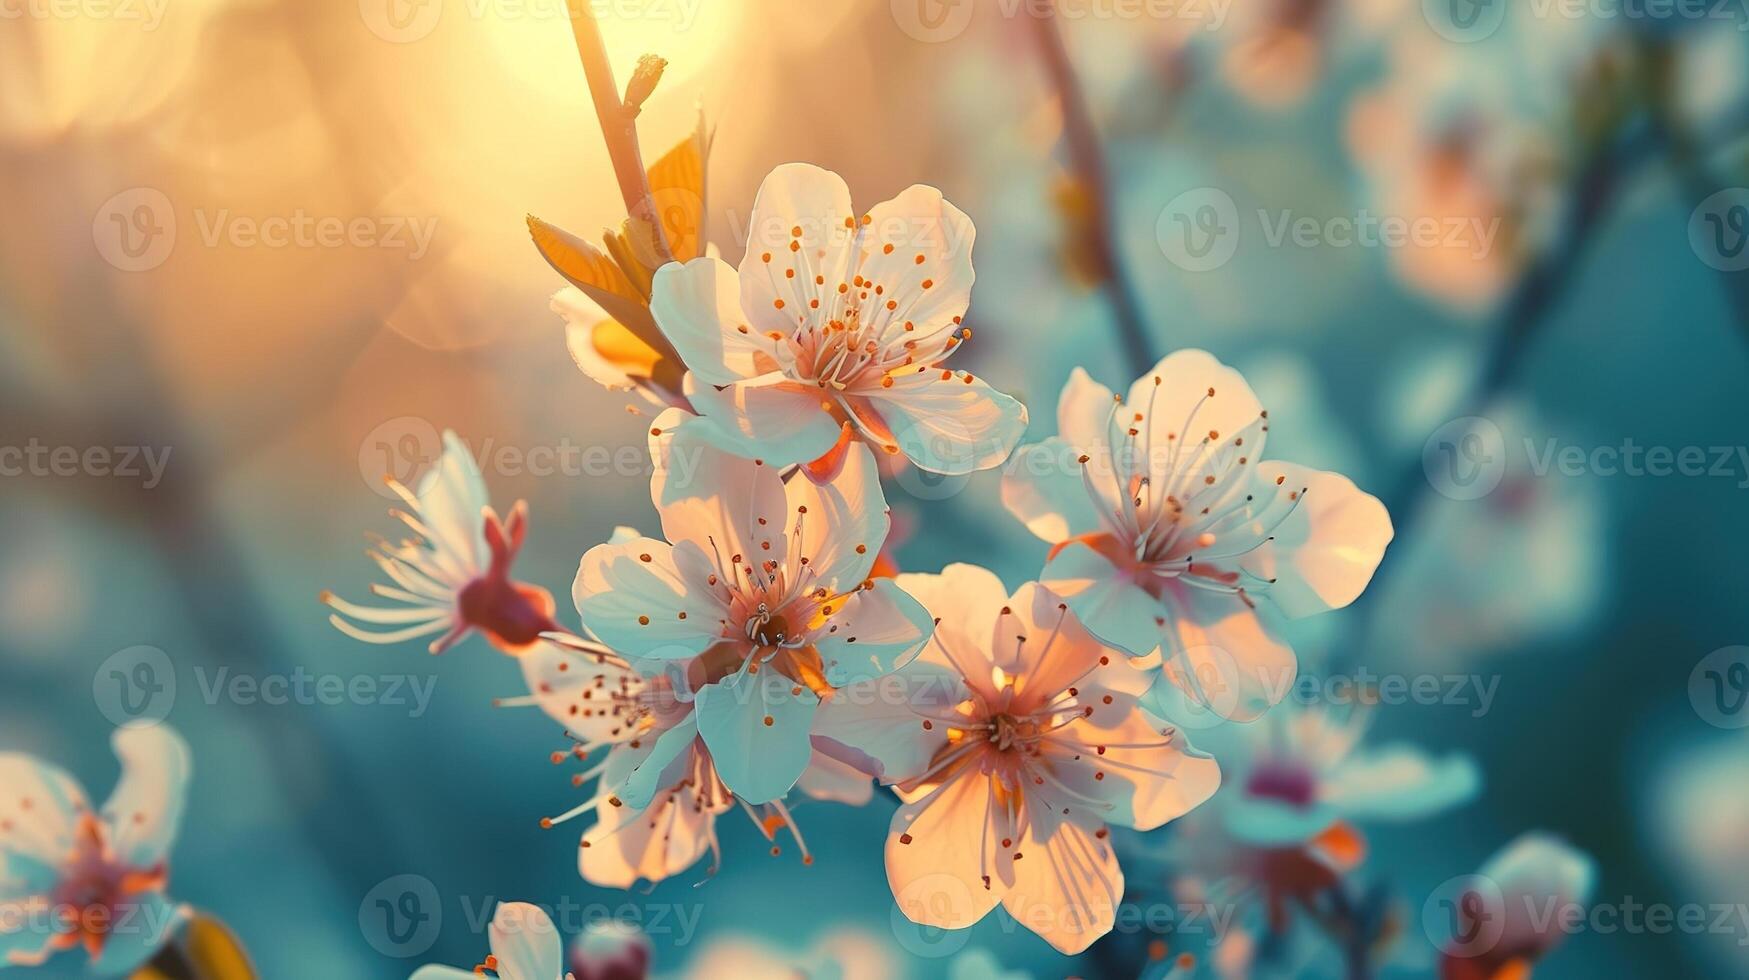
[(585, 266), (205, 949), (677, 189)]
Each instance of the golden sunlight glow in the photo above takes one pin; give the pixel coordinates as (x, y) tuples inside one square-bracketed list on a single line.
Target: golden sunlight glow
[(534, 40)]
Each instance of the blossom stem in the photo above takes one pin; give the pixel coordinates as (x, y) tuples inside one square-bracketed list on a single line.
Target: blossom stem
[(1087, 159), (619, 127)]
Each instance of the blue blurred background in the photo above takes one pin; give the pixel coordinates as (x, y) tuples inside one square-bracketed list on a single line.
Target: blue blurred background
[(1594, 145)]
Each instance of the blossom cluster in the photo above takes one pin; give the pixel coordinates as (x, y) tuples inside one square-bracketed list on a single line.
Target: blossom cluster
[(758, 645)]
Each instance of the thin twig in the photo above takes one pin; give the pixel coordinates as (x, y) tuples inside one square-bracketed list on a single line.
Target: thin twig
[(1524, 313), (1087, 159), (619, 127)]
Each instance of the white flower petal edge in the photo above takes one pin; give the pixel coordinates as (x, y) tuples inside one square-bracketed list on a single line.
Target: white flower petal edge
[(525, 946), (144, 811), (1180, 529), (834, 320)]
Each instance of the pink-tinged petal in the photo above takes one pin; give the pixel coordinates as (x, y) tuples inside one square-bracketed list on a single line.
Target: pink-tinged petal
[(1325, 552), (669, 836), (1224, 657), (1143, 774), (526, 943), (1043, 648), (593, 695), (1043, 487), (878, 630), (1066, 888), (828, 779), (756, 726), (1106, 600), (724, 504), (145, 809), (949, 423), (647, 598), (40, 808), (1400, 782), (669, 752), (1178, 410), (875, 725), (1083, 410), (843, 524), (1537, 871), (927, 271), (698, 307), (945, 860), (768, 417), (800, 235), (966, 598)]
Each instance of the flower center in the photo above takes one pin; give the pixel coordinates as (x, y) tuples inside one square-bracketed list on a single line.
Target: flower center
[(1285, 781), (1007, 731), (768, 629)]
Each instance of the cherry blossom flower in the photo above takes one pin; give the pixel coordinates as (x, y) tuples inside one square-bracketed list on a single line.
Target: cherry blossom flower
[(1287, 831), (656, 811), (1168, 528), (1485, 135), (1513, 914), (454, 577), (838, 326), (1307, 771), (657, 793), (525, 946), (73, 878), (764, 588), (1013, 741)]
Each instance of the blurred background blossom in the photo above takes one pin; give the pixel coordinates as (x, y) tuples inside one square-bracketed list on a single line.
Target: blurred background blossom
[(280, 246)]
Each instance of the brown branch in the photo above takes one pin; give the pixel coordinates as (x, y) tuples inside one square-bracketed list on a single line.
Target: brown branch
[(619, 127), (1087, 159)]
